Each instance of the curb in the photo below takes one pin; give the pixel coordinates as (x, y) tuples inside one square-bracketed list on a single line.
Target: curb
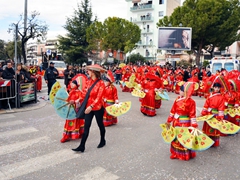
[(15, 110)]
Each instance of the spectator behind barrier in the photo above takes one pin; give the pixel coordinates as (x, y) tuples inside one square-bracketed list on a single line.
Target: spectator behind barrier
[(8, 72)]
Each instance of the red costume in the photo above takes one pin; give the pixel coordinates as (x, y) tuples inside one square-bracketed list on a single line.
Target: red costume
[(110, 97), (73, 129), (183, 114), (214, 105), (39, 79), (148, 103), (125, 77), (178, 80)]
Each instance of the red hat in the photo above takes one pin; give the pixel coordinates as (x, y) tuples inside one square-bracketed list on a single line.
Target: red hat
[(96, 67), (110, 76), (151, 76)]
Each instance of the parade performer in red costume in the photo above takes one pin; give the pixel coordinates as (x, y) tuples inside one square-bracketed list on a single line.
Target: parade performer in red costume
[(183, 114), (214, 104), (232, 100), (73, 129), (149, 86), (110, 97), (178, 81), (165, 80), (94, 106), (39, 79), (125, 77), (170, 81)]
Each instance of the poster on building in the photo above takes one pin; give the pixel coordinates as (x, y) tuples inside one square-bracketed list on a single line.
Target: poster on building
[(175, 38), (27, 92)]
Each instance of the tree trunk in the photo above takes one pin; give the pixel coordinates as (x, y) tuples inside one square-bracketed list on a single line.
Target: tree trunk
[(199, 54)]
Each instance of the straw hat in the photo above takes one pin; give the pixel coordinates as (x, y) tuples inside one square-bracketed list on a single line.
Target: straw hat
[(96, 67)]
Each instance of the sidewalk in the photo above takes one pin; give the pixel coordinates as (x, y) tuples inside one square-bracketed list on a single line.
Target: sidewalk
[(27, 106)]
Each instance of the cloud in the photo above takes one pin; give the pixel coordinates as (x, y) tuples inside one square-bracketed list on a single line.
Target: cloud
[(55, 12)]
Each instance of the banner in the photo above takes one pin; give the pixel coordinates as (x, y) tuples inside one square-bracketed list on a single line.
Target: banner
[(27, 92), (4, 83)]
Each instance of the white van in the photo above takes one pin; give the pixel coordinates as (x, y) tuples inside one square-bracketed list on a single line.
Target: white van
[(228, 63)]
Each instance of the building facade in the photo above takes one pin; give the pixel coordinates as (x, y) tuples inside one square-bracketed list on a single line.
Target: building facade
[(146, 14)]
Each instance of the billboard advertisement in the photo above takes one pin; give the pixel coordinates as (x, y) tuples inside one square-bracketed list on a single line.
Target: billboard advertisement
[(175, 38)]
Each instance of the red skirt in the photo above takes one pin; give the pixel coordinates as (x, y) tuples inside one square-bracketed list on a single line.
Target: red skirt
[(39, 83), (158, 103), (108, 119), (148, 104), (214, 134), (180, 152), (73, 129)]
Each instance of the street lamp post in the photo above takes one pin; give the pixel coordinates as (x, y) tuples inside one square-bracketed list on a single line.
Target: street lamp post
[(155, 57)]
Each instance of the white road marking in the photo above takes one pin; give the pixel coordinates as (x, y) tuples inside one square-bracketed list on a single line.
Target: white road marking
[(21, 145), (98, 173), (17, 132), (6, 116), (35, 164), (11, 123)]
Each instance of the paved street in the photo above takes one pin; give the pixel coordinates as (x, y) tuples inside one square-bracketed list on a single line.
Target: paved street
[(30, 148)]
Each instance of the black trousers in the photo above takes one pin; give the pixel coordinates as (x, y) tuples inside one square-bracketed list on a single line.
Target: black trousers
[(88, 121), (50, 84)]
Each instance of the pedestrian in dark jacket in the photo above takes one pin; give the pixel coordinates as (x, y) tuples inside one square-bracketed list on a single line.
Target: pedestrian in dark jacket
[(68, 75), (50, 76)]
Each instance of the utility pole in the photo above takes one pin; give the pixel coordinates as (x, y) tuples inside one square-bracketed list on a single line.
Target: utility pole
[(25, 23)]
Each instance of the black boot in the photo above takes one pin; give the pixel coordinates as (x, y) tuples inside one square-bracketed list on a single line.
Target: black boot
[(79, 149), (101, 144)]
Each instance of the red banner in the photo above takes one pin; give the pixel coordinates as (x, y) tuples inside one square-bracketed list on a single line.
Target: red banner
[(4, 83)]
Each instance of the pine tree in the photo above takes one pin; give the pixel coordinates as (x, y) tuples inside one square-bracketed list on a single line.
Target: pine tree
[(74, 45)]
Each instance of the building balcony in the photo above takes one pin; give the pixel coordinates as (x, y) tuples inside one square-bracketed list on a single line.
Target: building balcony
[(144, 44), (143, 19), (142, 7)]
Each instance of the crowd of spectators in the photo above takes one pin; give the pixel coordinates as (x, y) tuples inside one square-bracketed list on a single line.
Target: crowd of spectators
[(17, 74)]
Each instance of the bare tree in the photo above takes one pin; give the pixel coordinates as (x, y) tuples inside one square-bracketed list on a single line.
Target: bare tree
[(35, 29)]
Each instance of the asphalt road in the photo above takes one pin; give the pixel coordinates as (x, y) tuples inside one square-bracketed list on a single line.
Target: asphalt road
[(30, 148)]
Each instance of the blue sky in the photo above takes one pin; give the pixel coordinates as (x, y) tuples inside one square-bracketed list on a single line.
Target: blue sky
[(54, 13)]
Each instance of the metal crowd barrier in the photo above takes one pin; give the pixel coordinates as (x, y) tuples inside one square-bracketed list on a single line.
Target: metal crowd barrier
[(8, 91), (17, 93)]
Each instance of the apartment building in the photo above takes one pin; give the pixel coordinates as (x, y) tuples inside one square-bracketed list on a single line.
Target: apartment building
[(146, 14)]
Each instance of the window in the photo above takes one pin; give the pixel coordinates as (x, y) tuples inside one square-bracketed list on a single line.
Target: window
[(229, 66), (216, 66), (161, 1), (160, 13)]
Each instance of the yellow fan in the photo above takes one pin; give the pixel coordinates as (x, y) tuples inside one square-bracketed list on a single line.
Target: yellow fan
[(168, 135), (223, 126), (137, 86), (201, 141), (180, 83), (157, 97), (184, 137), (196, 86), (138, 93), (119, 109), (205, 118), (56, 86), (231, 112), (121, 65), (165, 82)]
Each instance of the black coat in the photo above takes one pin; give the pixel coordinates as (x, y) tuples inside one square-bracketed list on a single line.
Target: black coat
[(67, 76), (8, 73)]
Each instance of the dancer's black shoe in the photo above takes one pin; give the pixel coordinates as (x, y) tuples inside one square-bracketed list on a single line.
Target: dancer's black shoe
[(101, 144), (79, 149)]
